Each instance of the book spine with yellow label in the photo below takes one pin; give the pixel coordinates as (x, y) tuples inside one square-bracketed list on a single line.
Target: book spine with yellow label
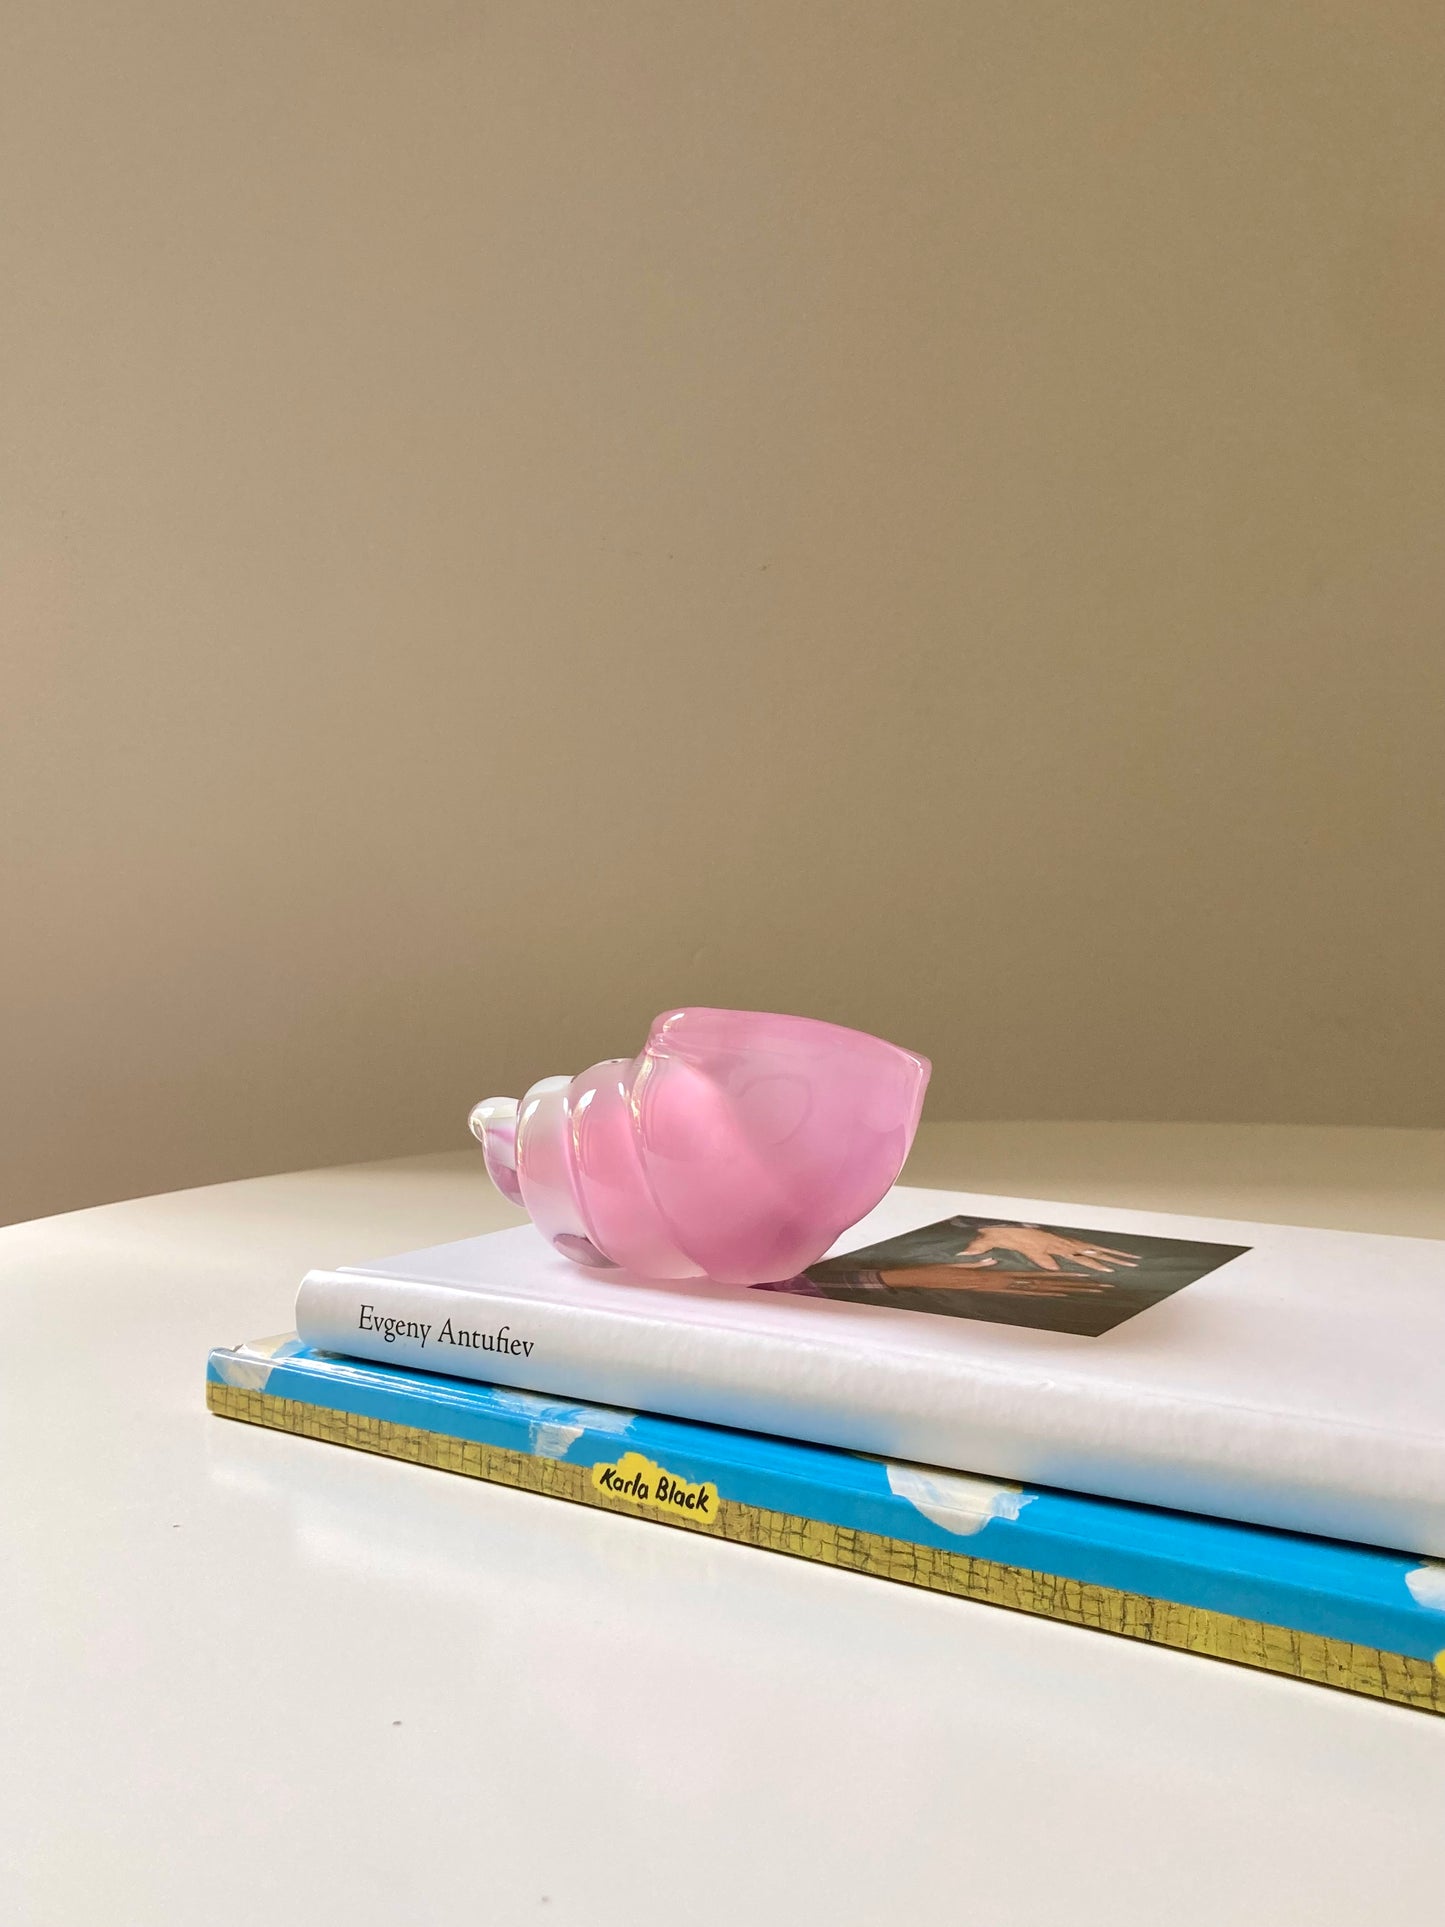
[(1349, 1616)]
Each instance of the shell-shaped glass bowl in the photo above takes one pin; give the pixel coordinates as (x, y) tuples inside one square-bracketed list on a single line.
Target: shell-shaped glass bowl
[(738, 1145)]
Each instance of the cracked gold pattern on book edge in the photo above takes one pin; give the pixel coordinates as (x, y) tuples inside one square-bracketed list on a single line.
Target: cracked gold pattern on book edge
[(1403, 1680)]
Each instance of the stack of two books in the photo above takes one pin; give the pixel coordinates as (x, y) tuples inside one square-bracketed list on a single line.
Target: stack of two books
[(1226, 1438)]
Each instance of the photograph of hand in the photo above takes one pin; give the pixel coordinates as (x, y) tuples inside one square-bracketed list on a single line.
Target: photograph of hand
[(1044, 1248), (1060, 1278)]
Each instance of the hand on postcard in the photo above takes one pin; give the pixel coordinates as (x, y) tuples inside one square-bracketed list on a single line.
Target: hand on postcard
[(1044, 1249)]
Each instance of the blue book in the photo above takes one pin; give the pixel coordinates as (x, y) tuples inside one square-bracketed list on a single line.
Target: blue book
[(1357, 1617)]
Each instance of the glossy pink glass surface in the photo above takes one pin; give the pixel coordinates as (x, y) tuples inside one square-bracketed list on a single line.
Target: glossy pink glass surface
[(737, 1146)]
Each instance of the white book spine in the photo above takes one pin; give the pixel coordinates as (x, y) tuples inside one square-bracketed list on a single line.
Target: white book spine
[(721, 1373), (1300, 1471)]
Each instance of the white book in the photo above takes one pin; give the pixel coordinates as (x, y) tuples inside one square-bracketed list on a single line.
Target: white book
[(1266, 1373)]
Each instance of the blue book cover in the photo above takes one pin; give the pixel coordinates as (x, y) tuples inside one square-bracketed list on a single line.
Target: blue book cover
[(1356, 1617)]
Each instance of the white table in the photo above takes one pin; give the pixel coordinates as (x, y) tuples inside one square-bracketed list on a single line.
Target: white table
[(244, 1677)]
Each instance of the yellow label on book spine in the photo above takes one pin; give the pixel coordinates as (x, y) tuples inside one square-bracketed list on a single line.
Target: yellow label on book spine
[(638, 1481)]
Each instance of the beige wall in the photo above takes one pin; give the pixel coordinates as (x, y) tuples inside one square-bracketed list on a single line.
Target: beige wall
[(513, 516)]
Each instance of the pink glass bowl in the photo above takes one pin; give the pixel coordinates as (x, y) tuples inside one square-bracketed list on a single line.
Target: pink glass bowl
[(737, 1146)]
